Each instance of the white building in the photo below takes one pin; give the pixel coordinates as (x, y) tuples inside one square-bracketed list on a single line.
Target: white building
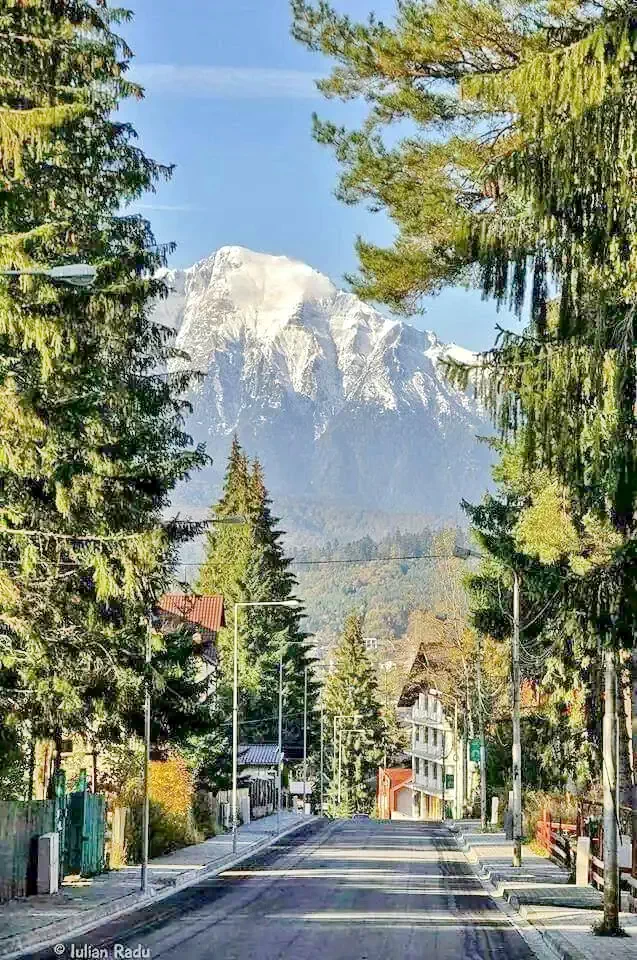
[(437, 768)]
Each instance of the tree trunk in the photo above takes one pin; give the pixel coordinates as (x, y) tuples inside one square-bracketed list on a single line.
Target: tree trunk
[(634, 732), (609, 779), (624, 772)]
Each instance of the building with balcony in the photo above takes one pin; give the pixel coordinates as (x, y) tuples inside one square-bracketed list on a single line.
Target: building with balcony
[(436, 751)]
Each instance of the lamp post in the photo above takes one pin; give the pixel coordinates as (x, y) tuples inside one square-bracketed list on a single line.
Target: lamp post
[(147, 716), (235, 707), (294, 603), (73, 274), (464, 553)]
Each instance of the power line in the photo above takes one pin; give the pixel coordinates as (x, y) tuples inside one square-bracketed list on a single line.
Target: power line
[(414, 556)]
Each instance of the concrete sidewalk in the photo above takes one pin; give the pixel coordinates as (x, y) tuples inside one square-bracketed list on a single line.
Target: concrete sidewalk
[(83, 904), (540, 892)]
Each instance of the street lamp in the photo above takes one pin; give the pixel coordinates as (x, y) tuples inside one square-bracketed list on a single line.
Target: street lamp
[(293, 603), (147, 712), (290, 604), (465, 553), (73, 274)]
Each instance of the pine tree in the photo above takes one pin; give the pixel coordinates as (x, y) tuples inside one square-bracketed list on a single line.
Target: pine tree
[(246, 563), (92, 438), (353, 724)]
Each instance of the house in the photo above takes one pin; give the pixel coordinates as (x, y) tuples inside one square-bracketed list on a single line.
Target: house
[(259, 761), (443, 773), (205, 615), (437, 752), (394, 796), (258, 764)]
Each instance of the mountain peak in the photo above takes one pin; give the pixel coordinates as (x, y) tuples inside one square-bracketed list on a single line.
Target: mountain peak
[(320, 385)]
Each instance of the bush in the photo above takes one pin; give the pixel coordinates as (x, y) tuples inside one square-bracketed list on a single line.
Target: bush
[(171, 820), (561, 806)]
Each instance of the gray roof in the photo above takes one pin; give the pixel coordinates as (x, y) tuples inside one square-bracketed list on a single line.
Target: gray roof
[(258, 755)]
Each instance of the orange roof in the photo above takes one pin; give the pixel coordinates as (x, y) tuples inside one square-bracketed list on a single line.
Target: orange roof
[(203, 611), (398, 776)]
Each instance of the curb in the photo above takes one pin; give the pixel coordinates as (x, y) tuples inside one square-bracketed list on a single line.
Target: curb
[(32, 942), (554, 942)]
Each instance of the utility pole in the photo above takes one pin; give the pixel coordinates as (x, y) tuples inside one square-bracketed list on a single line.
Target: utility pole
[(517, 748), (235, 729), (456, 751), (340, 758), (280, 744), (634, 734), (609, 779), (146, 806), (321, 781), (444, 775), (483, 750), (305, 739)]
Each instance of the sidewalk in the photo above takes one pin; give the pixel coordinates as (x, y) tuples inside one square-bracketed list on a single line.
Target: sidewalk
[(85, 903), (540, 892)]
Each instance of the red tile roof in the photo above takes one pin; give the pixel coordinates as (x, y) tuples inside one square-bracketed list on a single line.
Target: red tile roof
[(203, 611)]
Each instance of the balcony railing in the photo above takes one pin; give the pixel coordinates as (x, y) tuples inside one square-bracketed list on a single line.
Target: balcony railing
[(433, 716), (427, 750), (428, 785)]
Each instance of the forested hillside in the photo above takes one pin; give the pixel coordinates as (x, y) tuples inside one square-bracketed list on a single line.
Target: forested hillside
[(384, 591)]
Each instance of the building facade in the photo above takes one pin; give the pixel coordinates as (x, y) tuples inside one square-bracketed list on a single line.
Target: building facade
[(437, 753), (394, 794)]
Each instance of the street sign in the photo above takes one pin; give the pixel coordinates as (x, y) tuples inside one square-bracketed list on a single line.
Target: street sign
[(474, 751)]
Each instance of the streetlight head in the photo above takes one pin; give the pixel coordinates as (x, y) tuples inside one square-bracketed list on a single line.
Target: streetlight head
[(75, 274), (291, 604), (461, 553)]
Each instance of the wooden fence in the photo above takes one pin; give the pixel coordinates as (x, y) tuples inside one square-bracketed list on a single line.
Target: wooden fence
[(559, 840), (21, 824), (556, 836)]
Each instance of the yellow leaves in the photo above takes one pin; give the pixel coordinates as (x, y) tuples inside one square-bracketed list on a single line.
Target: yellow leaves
[(549, 530), (546, 528), (171, 785)]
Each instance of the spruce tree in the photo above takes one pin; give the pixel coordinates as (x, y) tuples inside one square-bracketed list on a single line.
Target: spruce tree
[(246, 563), (352, 711), (92, 438)]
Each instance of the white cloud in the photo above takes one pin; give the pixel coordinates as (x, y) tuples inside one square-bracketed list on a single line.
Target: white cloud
[(224, 82)]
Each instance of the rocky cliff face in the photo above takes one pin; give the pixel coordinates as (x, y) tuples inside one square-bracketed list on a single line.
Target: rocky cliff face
[(340, 403)]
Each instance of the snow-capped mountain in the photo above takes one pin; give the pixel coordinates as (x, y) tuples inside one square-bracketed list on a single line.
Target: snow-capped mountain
[(339, 402)]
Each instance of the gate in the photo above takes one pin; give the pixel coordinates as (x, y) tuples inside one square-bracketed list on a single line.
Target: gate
[(84, 850)]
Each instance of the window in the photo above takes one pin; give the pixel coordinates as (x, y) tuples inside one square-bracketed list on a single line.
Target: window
[(417, 766), (435, 738), (425, 770)]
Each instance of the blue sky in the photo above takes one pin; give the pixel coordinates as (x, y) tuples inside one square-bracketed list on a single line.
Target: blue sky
[(229, 99)]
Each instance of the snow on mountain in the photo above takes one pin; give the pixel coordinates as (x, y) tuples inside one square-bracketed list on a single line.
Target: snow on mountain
[(339, 402)]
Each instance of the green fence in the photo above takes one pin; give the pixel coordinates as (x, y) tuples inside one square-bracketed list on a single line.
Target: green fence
[(79, 818), (20, 825), (85, 833)]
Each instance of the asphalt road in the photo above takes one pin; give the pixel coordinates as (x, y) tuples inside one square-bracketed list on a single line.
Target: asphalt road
[(343, 891)]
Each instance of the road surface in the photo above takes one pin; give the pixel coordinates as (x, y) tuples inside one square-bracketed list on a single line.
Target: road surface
[(343, 891)]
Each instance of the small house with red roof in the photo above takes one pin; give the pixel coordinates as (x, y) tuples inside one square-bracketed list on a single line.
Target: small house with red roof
[(203, 614), (394, 795)]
